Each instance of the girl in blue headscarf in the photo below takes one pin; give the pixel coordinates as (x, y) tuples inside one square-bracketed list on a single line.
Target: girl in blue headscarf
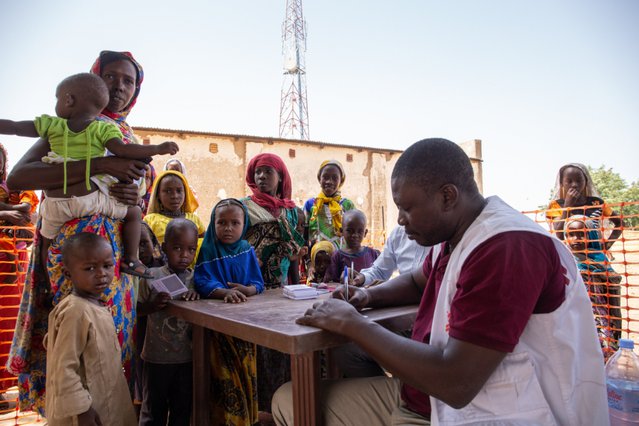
[(227, 268), (603, 283)]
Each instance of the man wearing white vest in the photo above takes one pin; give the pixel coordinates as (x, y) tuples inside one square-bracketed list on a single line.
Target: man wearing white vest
[(504, 334)]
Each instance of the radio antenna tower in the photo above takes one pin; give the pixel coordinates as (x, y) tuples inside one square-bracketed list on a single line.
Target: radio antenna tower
[(293, 104)]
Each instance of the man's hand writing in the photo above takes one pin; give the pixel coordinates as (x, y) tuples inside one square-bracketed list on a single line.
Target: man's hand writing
[(358, 297)]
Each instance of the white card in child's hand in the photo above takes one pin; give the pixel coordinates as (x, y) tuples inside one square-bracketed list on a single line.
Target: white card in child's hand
[(170, 284)]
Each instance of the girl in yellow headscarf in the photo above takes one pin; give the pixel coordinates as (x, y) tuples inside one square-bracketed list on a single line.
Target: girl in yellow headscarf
[(320, 261), (324, 212), (171, 198)]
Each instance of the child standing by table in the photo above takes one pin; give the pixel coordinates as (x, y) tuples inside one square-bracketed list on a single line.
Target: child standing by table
[(85, 383), (168, 367), (151, 255), (354, 230), (227, 269), (321, 254)]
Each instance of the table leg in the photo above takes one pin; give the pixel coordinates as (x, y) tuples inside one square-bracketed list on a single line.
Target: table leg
[(201, 376), (332, 372), (305, 374)]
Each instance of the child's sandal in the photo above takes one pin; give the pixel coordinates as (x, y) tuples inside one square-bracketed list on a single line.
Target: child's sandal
[(135, 268)]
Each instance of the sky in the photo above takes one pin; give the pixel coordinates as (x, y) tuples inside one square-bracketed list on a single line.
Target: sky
[(541, 82)]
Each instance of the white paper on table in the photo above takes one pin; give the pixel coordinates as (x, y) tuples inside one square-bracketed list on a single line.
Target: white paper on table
[(299, 292)]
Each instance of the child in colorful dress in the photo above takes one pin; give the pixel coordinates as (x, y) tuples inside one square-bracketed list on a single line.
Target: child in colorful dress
[(324, 212), (85, 383), (171, 198), (575, 194), (321, 254), (227, 269), (602, 281), (354, 230), (75, 134), (167, 355)]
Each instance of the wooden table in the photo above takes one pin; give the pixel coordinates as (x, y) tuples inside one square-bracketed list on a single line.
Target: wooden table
[(269, 320)]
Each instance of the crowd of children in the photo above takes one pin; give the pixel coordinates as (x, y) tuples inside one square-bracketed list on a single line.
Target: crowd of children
[(251, 244)]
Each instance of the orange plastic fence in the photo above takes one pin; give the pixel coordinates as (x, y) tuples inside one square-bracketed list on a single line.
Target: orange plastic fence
[(611, 273), (14, 246)]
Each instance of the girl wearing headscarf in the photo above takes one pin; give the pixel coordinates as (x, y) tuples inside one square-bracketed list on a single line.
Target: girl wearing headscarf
[(178, 166), (232, 262), (584, 240), (227, 268), (324, 212), (175, 164), (272, 232), (320, 261), (46, 285), (171, 197), (575, 194), (272, 217)]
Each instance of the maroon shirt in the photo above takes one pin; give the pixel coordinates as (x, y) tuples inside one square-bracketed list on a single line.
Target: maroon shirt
[(502, 283)]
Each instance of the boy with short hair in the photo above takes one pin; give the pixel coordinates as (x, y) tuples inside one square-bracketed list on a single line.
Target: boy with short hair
[(352, 252), (167, 353), (85, 383)]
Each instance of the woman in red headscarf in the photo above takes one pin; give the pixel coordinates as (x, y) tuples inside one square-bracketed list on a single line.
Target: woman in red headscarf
[(46, 284), (272, 217), (272, 232)]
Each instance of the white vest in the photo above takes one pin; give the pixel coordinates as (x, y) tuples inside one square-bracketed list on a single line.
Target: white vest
[(555, 374)]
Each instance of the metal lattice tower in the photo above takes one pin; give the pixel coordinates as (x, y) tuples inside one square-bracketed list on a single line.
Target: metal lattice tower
[(293, 103)]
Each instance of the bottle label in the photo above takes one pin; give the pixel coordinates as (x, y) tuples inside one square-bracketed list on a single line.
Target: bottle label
[(623, 396)]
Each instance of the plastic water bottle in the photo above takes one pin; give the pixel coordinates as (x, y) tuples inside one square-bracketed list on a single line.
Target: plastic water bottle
[(622, 380)]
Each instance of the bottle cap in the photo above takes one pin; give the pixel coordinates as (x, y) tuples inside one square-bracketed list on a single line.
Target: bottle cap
[(626, 344)]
